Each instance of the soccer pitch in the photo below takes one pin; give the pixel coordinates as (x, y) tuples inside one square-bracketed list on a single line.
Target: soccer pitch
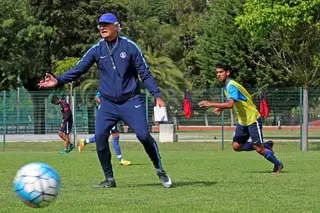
[(206, 179)]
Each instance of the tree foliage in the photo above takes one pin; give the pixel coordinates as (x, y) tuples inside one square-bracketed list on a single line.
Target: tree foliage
[(22, 43), (292, 27), (222, 40), (168, 76)]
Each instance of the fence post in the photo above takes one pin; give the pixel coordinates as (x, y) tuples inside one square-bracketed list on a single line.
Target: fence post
[(46, 115), (305, 119), (4, 121), (18, 108), (222, 121), (74, 118), (301, 116)]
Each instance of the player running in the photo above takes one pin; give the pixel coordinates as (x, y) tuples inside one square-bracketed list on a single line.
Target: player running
[(249, 120), (115, 140)]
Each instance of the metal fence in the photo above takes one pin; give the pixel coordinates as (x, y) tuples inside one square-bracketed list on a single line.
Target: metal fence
[(32, 112)]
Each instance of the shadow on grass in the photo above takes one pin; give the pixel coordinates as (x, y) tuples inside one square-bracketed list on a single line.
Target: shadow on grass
[(197, 183), (134, 164), (181, 184), (267, 172)]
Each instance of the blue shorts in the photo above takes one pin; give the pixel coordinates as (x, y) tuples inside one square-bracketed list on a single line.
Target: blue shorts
[(114, 129), (66, 129), (242, 133)]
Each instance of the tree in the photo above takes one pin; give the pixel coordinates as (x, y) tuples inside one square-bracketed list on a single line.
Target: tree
[(23, 45), (222, 39), (12, 21), (189, 15), (293, 28), (169, 27), (167, 74), (170, 80), (21, 42)]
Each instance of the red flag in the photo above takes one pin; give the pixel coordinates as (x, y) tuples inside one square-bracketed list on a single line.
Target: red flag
[(264, 107), (186, 108), (187, 105)]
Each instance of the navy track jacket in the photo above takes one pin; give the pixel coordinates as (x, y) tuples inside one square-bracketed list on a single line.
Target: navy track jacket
[(118, 77)]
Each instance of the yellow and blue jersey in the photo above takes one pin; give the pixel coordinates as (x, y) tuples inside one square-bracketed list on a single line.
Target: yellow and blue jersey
[(244, 107)]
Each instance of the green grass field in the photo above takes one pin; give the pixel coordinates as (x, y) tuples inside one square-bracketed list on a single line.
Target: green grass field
[(206, 179)]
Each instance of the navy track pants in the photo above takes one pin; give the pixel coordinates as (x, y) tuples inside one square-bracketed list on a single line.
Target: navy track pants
[(132, 112)]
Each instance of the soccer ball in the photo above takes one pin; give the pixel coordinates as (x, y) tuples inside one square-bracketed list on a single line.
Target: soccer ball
[(37, 184)]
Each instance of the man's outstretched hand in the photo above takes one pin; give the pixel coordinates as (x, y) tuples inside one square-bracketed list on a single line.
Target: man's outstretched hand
[(49, 81)]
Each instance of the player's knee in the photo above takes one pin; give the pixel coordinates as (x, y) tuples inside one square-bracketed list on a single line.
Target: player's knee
[(260, 149), (60, 134), (143, 136), (236, 146), (101, 136)]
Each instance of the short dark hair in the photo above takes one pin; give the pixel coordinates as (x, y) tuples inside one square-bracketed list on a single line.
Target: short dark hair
[(54, 99), (224, 65)]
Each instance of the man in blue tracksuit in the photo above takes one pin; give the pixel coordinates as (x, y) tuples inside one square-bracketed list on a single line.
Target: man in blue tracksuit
[(120, 61)]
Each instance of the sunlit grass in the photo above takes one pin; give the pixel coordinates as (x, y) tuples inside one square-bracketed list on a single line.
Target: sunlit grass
[(206, 179)]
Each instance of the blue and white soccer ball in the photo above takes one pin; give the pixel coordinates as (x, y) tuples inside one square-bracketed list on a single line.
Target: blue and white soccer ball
[(37, 184)]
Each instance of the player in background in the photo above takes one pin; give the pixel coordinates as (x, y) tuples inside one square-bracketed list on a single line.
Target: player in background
[(66, 124), (249, 120), (115, 140)]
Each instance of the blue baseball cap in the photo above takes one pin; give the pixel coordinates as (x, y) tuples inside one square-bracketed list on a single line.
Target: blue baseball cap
[(108, 18)]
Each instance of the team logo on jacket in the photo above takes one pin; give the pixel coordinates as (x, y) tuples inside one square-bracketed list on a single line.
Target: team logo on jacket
[(123, 54)]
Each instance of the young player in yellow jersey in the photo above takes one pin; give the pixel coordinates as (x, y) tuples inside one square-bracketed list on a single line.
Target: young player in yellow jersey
[(249, 119)]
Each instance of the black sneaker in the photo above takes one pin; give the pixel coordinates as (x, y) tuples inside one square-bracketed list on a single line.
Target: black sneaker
[(165, 179), (109, 183)]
